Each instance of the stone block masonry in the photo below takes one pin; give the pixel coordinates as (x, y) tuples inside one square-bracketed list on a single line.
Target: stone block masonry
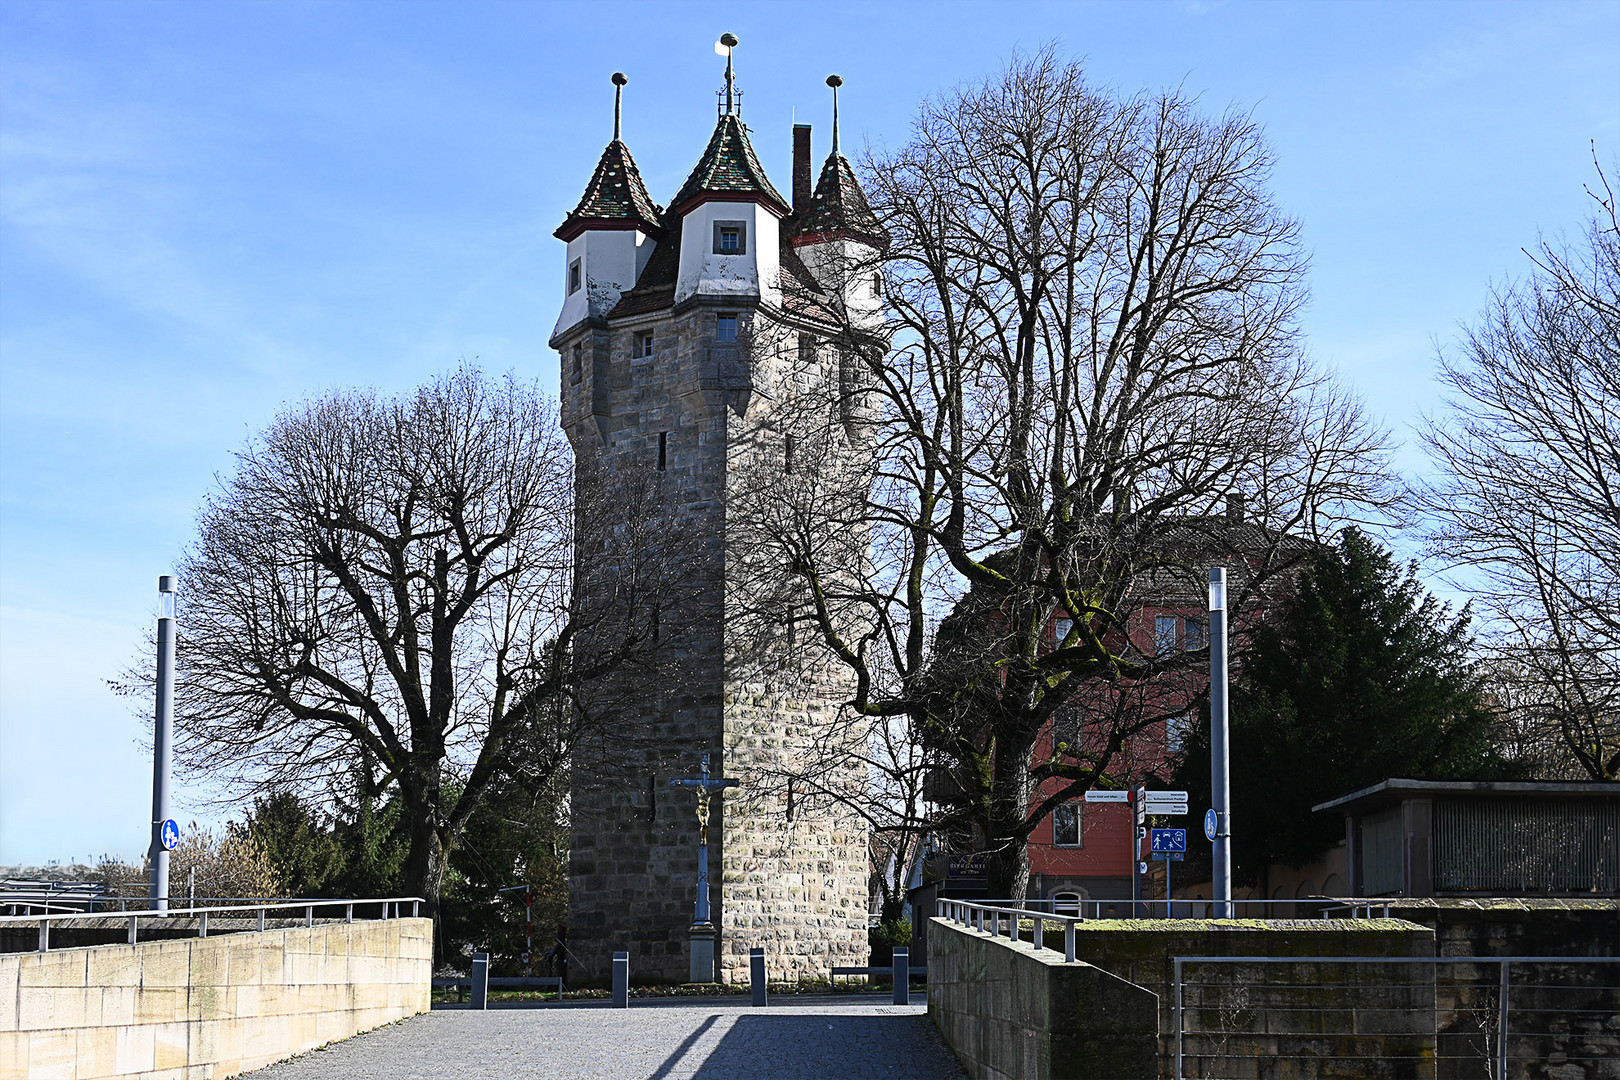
[(207, 1007)]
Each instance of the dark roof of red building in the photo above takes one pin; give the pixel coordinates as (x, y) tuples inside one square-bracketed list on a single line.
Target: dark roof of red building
[(839, 208), (728, 167), (615, 196)]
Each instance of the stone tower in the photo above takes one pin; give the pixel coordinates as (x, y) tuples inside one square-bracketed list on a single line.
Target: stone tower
[(695, 343)]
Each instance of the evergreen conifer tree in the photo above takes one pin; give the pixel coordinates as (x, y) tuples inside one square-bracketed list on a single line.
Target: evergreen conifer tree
[(1363, 676)]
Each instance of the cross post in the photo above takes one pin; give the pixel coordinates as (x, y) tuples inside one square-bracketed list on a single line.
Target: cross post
[(705, 786)]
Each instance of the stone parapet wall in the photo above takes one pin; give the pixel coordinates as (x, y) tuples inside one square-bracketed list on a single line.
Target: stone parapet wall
[(1013, 1012), (207, 1007)]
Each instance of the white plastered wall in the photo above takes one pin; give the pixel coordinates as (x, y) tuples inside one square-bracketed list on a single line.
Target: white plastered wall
[(846, 269), (610, 261), (756, 272)]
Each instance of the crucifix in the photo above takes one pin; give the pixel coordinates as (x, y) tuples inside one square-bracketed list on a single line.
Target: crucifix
[(702, 931)]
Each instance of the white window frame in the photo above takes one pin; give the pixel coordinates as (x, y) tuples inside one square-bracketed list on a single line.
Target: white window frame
[(645, 344), (736, 326), (1163, 643), (1079, 824)]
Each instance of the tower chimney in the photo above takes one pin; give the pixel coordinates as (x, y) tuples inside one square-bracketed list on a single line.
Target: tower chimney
[(1234, 506), (801, 168)]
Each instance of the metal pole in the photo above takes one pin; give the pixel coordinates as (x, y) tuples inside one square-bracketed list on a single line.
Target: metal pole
[(1219, 763), (1502, 1023), (902, 973), (162, 742)]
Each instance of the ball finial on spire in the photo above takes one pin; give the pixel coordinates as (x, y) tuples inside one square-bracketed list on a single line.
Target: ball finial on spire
[(619, 80), (835, 81)]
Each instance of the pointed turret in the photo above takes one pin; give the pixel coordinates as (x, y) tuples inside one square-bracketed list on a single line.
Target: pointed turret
[(730, 214), (838, 236), (609, 232)]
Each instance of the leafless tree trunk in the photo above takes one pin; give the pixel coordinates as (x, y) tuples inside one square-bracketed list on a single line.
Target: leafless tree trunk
[(1091, 307), (1529, 499), (384, 589)]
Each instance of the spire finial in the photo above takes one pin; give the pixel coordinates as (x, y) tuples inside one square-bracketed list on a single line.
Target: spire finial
[(727, 43), (618, 101), (835, 81)]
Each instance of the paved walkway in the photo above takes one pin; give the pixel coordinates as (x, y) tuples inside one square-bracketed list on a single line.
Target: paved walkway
[(696, 1039)]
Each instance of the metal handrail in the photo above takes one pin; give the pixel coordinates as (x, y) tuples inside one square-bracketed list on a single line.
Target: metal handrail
[(1358, 907), (969, 913), (307, 906)]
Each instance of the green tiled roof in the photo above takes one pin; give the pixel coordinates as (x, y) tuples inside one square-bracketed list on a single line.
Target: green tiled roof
[(615, 193), (728, 166), (839, 207)]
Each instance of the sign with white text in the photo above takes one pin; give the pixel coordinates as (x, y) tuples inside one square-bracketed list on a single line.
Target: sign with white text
[(1107, 796)]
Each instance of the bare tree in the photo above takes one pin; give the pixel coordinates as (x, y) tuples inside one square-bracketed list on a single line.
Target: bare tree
[(1091, 306), (1529, 494), (382, 594)]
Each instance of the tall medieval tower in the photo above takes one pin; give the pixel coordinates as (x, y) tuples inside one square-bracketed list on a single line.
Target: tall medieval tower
[(698, 343)]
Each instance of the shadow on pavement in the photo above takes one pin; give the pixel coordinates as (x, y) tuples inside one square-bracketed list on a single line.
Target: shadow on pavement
[(789, 1047)]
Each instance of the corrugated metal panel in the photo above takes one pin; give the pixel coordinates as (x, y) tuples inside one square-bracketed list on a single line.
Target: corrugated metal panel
[(1518, 846), (1381, 850)]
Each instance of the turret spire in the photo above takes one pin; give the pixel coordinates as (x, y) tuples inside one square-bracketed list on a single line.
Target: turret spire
[(835, 81), (726, 44), (618, 102)]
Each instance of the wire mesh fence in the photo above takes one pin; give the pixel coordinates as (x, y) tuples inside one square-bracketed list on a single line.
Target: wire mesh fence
[(1450, 1018)]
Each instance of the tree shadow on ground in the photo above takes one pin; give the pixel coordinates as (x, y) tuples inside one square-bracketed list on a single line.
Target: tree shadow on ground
[(798, 1047)]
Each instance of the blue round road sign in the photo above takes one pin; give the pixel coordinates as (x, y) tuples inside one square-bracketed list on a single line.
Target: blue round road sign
[(169, 834), (1211, 823)]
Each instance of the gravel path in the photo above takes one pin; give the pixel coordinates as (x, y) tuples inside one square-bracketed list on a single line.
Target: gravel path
[(703, 1039)]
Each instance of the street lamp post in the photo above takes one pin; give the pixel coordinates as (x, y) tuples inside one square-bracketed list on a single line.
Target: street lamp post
[(163, 745), (1220, 773)]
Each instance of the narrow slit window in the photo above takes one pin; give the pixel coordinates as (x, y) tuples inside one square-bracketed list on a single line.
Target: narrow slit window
[(725, 327), (654, 623), (787, 455), (663, 451), (576, 277), (579, 361)]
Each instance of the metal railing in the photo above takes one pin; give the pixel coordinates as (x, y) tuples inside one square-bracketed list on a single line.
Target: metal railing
[(976, 915), (1486, 1016), (1304, 907), (253, 910)]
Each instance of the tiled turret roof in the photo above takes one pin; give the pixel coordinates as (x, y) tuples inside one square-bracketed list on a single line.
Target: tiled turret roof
[(839, 208), (728, 167), (615, 195)]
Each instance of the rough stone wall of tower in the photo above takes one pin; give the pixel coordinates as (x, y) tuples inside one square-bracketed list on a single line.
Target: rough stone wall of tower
[(733, 682)]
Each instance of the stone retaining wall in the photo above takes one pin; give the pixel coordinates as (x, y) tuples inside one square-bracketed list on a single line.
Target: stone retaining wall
[(1014, 1012), (207, 1007)]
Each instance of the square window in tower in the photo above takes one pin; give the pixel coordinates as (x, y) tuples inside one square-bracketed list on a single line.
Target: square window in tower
[(725, 327), (644, 344), (731, 238), (576, 277)]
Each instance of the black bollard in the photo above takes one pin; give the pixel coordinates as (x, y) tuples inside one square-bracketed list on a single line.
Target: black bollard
[(756, 976), (480, 980), (621, 980), (902, 976)]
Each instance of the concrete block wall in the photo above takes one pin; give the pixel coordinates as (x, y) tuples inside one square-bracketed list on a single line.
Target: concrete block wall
[(207, 1007)]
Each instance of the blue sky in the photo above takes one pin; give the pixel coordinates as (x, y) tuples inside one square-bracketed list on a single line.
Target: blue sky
[(208, 210)]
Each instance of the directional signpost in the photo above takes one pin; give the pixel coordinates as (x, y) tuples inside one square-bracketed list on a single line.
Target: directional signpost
[(1098, 795)]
